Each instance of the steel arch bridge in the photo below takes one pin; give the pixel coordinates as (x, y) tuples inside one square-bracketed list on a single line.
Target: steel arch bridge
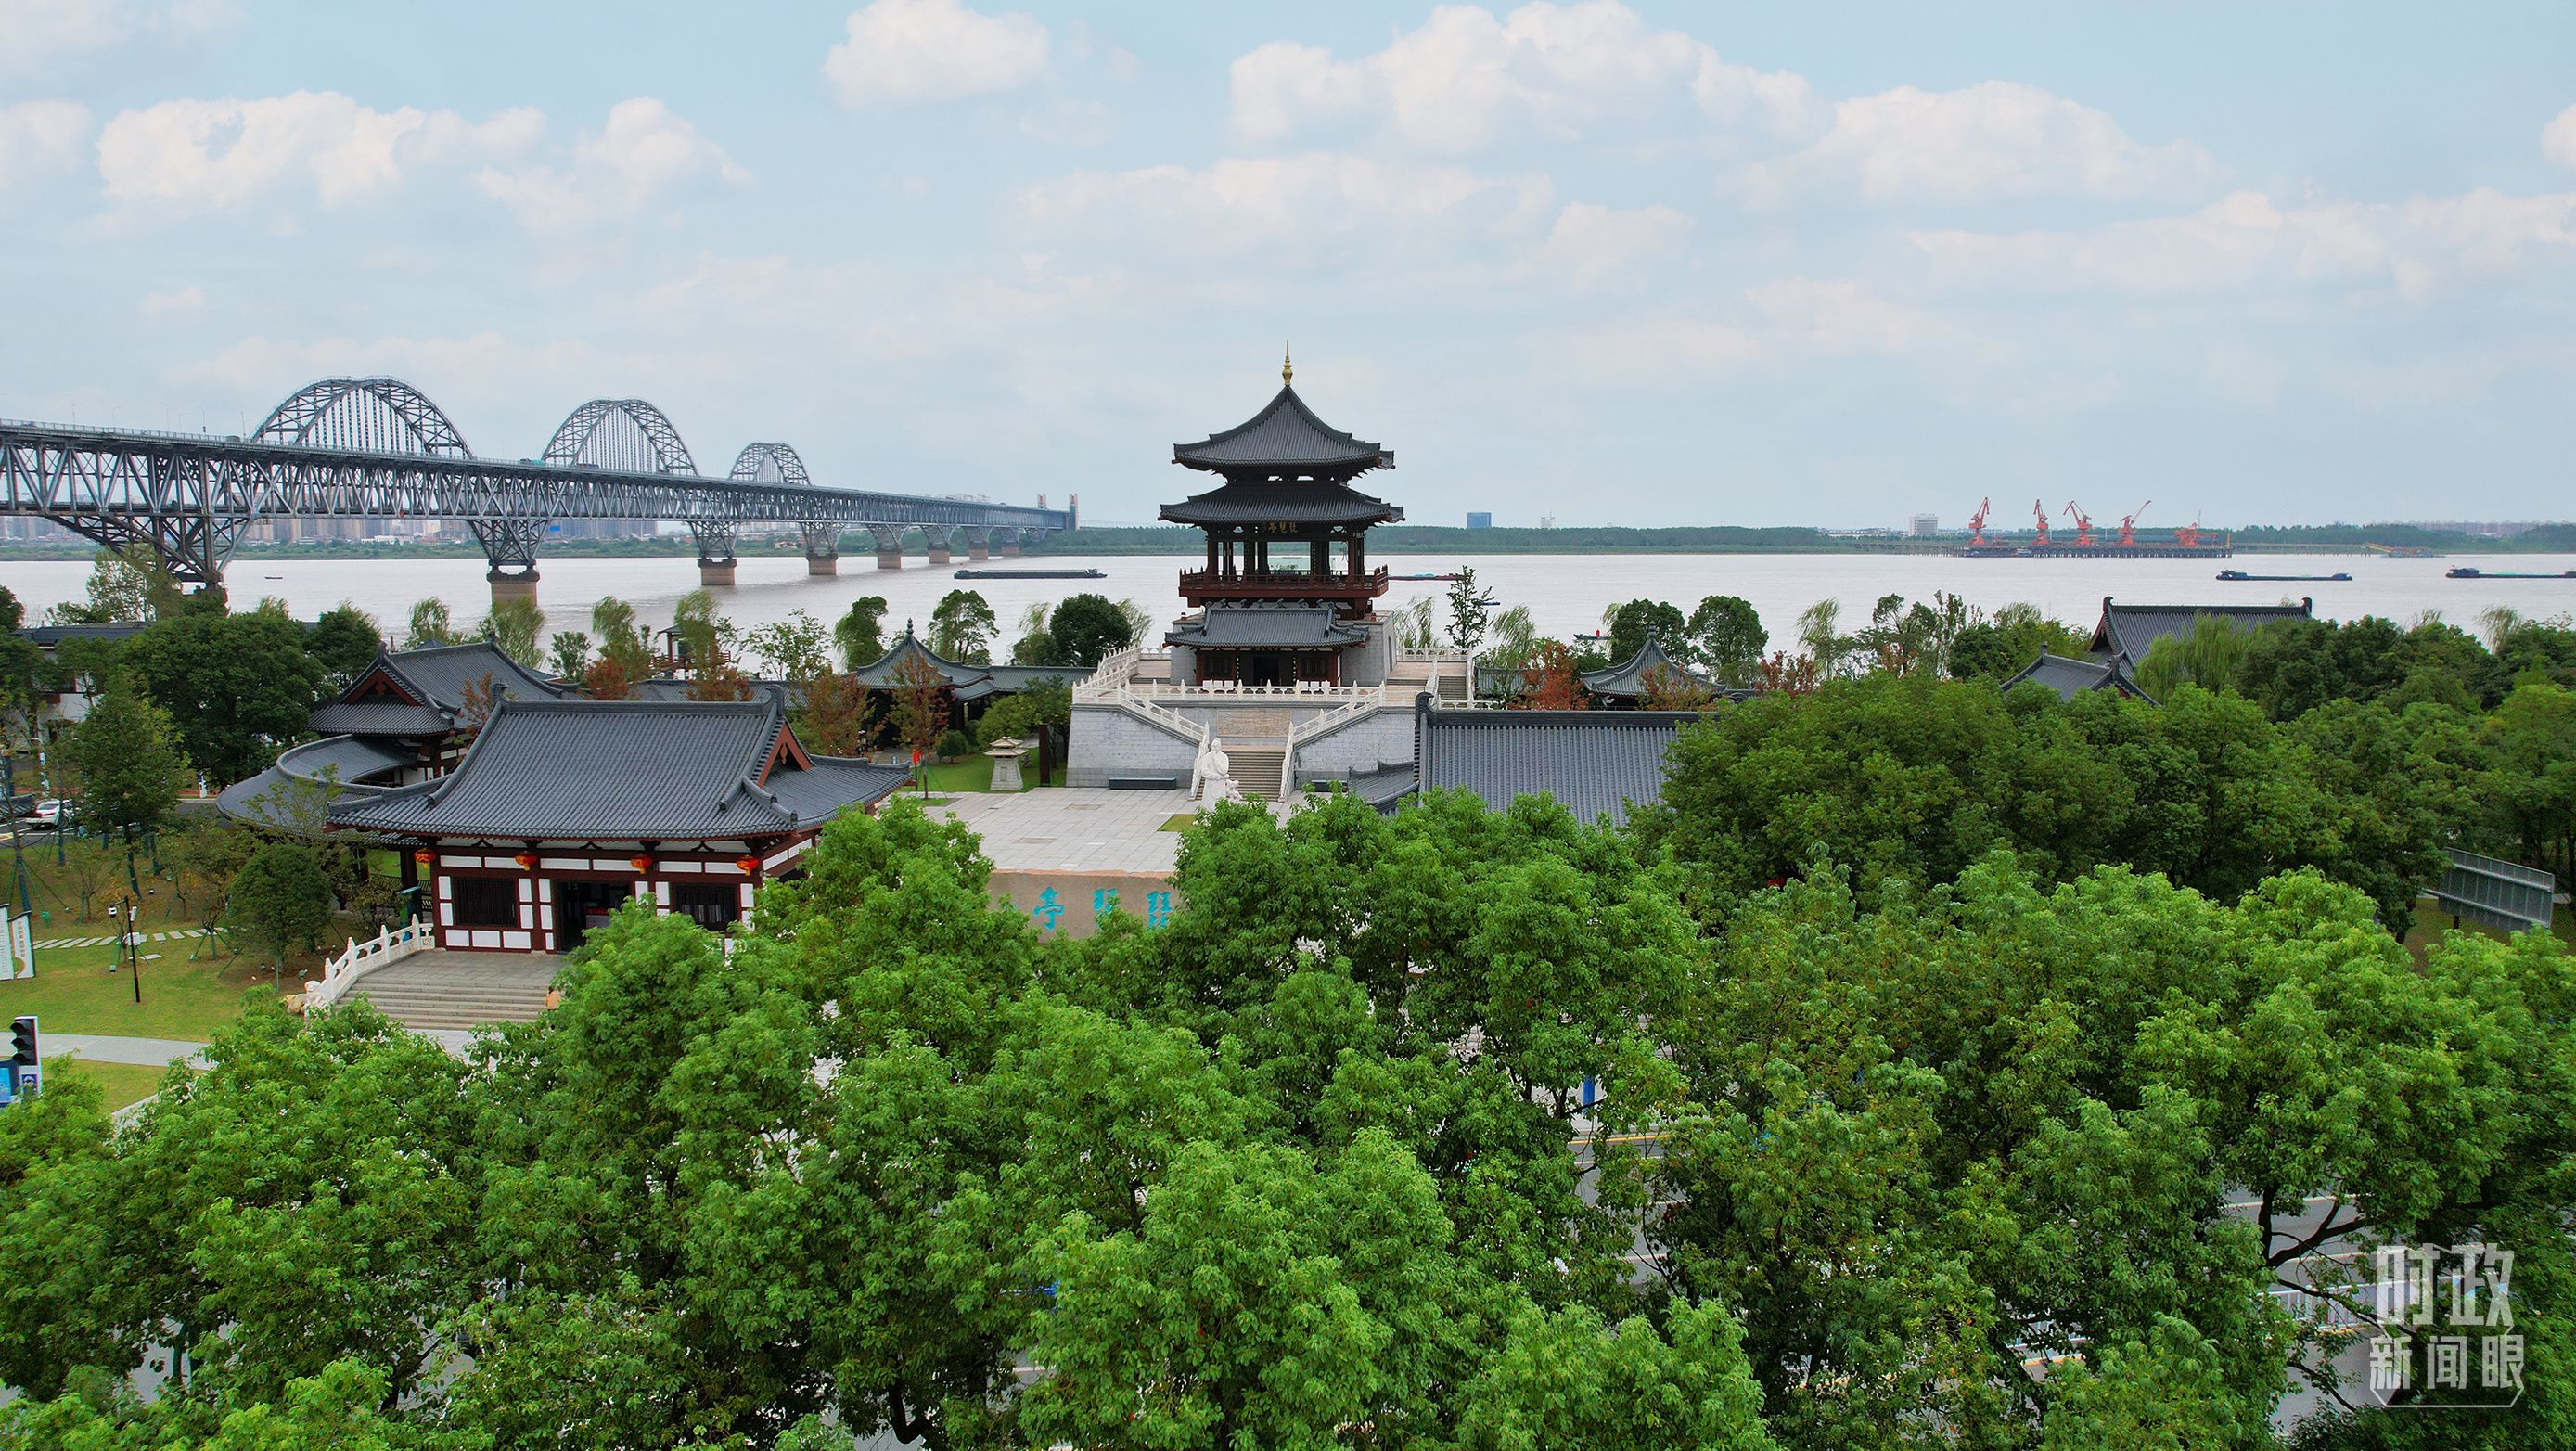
[(379, 448)]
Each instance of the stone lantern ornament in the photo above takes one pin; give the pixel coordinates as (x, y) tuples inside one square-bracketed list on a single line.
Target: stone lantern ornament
[(1006, 763)]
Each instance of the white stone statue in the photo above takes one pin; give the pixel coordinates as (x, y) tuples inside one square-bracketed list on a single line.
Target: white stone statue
[(1211, 775)]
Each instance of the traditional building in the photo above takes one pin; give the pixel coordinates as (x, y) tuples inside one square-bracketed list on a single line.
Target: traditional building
[(2070, 678), (2126, 632), (1283, 663), (1287, 594), (522, 816), (561, 811), (1644, 673), (968, 685), (1597, 763)]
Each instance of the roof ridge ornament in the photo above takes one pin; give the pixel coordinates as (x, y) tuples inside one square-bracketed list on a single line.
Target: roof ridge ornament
[(1287, 368)]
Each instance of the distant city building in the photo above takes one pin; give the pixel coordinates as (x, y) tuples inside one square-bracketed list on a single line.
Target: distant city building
[(1923, 526), (1478, 519)]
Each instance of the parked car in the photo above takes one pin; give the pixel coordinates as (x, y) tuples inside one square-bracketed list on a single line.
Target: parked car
[(50, 814)]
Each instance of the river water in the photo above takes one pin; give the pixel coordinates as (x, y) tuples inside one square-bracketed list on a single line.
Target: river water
[(1565, 593)]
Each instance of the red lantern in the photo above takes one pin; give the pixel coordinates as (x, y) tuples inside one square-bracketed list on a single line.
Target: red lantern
[(641, 863), (750, 864), (527, 861), (424, 856)]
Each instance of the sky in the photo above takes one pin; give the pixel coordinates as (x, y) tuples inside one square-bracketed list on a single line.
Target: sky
[(2256, 262)]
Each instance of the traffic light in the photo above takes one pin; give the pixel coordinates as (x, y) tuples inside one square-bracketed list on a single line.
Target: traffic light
[(20, 1077)]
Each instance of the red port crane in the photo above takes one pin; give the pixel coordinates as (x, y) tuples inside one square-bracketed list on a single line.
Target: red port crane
[(2083, 524), (2188, 536), (2039, 511), (2129, 526), (1977, 523)]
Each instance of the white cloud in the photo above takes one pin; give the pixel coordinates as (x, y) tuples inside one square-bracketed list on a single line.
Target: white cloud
[(1843, 317), (43, 34), (1783, 320), (223, 154), (1468, 79), (2558, 138), (1665, 349), (1595, 245), (38, 138), (642, 154), (2247, 240), (1995, 141), (913, 52), (1318, 209), (173, 303)]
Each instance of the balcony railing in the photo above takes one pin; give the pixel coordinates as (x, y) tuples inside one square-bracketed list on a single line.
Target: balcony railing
[(1279, 583)]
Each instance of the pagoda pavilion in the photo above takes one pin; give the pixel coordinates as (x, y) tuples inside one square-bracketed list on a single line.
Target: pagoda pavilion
[(1286, 595)]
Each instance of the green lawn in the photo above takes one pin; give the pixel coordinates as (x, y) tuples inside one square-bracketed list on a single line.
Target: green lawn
[(2431, 922), (123, 1083), (75, 991), (975, 773)]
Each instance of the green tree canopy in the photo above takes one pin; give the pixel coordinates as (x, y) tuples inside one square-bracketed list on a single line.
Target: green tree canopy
[(517, 628), (343, 642), (128, 760), (860, 632), (430, 625), (1085, 627), (1725, 636), (1633, 622), (238, 686), (280, 902), (962, 627)]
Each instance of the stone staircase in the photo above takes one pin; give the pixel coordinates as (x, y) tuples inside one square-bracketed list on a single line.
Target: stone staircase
[(460, 989), (1256, 770)]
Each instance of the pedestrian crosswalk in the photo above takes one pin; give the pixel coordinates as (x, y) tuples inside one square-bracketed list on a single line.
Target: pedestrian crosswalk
[(103, 939)]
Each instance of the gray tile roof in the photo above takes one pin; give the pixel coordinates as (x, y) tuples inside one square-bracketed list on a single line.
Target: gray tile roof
[(338, 764), (1284, 436), (967, 680), (1596, 762), (624, 770), (1269, 625), (2128, 631), (2070, 678), (1249, 502), (345, 758), (675, 687), (440, 673), (383, 716), (1627, 679)]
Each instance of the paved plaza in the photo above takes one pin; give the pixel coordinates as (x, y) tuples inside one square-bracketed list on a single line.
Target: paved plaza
[(1075, 829), (1064, 855)]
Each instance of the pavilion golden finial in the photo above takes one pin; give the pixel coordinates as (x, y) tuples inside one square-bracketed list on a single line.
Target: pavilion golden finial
[(1287, 369)]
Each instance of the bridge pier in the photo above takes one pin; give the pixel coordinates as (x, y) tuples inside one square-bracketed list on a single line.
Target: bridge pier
[(938, 540), (889, 539), (715, 553), (510, 551), (822, 550), (1010, 546), (976, 542)]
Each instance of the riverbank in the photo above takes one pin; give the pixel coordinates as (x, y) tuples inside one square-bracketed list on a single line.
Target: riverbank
[(1409, 539)]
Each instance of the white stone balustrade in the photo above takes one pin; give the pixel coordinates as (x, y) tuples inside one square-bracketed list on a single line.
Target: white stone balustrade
[(341, 973)]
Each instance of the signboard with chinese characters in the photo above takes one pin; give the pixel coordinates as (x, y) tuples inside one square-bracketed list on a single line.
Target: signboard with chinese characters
[(17, 944), (2501, 894), (1071, 904)]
